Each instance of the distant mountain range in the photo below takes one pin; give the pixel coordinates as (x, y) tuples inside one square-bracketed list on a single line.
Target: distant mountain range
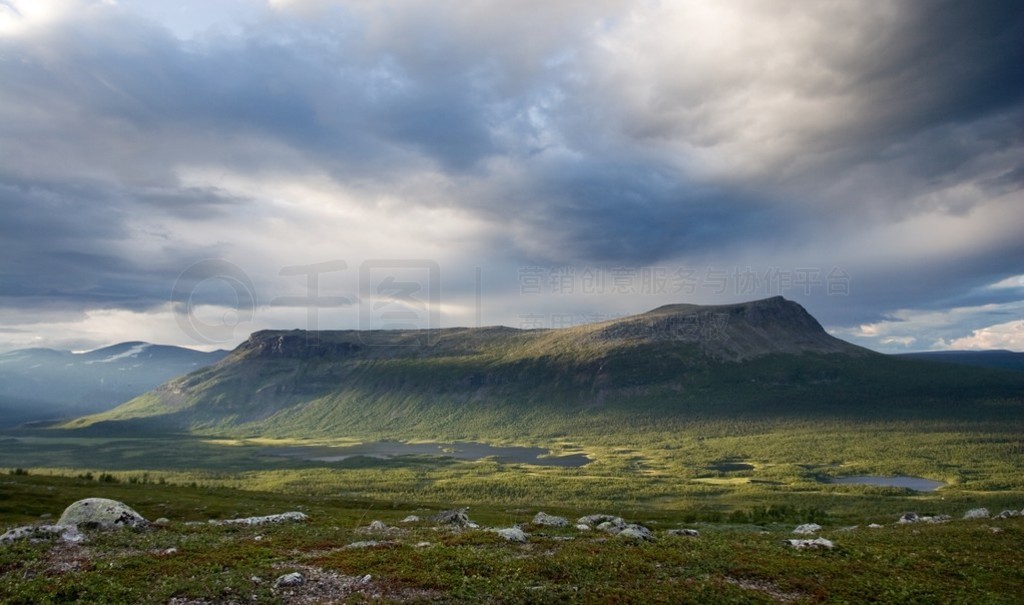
[(762, 359), (987, 359), (46, 384)]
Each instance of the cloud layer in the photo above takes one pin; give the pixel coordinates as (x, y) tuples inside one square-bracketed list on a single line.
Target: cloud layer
[(881, 140)]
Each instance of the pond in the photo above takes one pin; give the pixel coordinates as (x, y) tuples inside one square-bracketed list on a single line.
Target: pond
[(915, 483), (730, 466), (460, 451)]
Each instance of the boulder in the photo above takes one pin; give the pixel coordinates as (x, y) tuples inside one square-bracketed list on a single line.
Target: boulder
[(977, 513), (545, 519), (101, 513), (511, 534), (682, 532), (807, 529), (909, 518), (1006, 514)]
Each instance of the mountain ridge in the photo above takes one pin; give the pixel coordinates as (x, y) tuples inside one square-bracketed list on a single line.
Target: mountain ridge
[(674, 362)]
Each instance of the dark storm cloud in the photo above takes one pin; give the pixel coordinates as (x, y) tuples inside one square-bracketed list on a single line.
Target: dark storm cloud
[(740, 133)]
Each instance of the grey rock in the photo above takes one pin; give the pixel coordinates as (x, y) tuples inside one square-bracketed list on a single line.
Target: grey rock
[(512, 534), (909, 518), (411, 519), (682, 532), (635, 532), (291, 517), (583, 527), (816, 543), (807, 529), (162, 521), (1006, 514), (875, 526), (290, 579), (456, 516), (977, 513), (377, 526), (36, 533), (596, 520), (101, 513), (545, 519), (938, 519)]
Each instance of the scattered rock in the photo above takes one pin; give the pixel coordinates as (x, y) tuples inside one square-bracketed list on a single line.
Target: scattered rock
[(875, 526), (635, 532), (543, 518), (807, 529), (909, 518), (682, 532), (596, 520), (456, 516), (290, 579), (512, 534), (411, 519), (1006, 514), (376, 526), (977, 513), (423, 545), (582, 527), (162, 522), (36, 533), (816, 543), (368, 544), (101, 513), (293, 516)]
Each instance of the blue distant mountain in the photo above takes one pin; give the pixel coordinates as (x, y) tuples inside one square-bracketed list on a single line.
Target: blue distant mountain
[(47, 384)]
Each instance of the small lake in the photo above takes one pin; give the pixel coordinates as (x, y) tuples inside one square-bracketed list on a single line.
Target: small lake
[(460, 451), (914, 483), (730, 467)]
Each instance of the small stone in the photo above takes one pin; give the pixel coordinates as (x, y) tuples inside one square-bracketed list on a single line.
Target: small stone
[(411, 519), (512, 534), (875, 526), (635, 532), (170, 551), (290, 579), (455, 516), (423, 545), (362, 544), (807, 528), (582, 527), (594, 520), (683, 532), (365, 579), (162, 522), (377, 526), (977, 513), (293, 516), (996, 530), (909, 518), (547, 520), (1006, 514), (817, 543)]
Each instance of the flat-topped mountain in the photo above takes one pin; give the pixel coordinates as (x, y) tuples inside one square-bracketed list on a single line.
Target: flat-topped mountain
[(675, 362)]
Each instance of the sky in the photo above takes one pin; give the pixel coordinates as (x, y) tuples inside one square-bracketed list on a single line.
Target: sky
[(188, 172)]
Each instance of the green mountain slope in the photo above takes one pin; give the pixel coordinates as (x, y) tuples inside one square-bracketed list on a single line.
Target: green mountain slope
[(766, 358)]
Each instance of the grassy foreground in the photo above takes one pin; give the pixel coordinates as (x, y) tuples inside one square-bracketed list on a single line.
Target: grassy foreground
[(962, 561)]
